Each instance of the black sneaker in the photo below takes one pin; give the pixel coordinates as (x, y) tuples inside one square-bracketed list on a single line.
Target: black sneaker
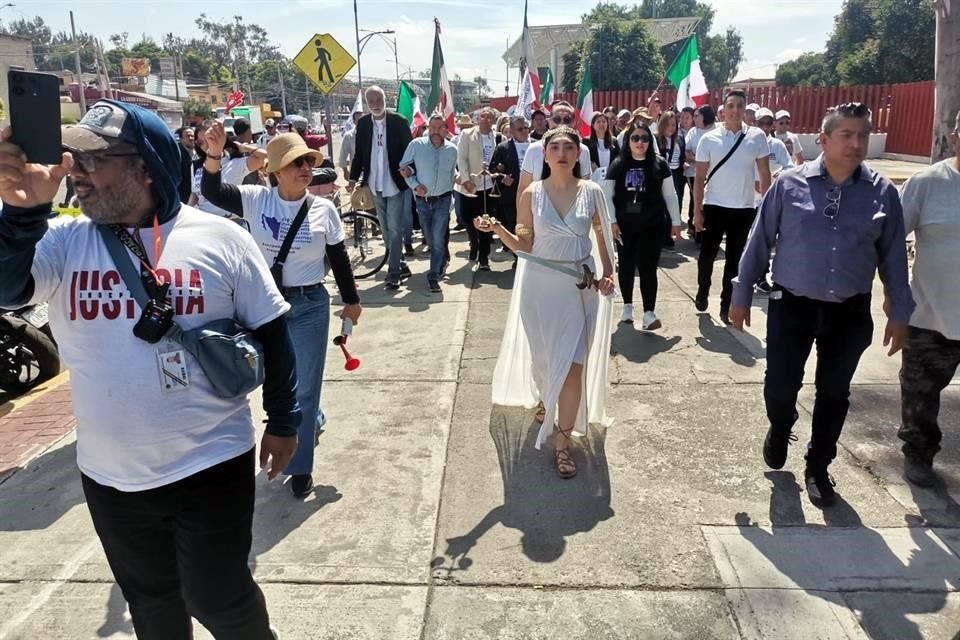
[(919, 471), (820, 486), (459, 227), (775, 446), (701, 300), (404, 271), (390, 285), (434, 286), (764, 287), (484, 266), (408, 251), (301, 485)]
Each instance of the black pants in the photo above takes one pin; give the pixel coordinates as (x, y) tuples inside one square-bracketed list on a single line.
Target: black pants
[(842, 331), (640, 252), (719, 222), (690, 206), (181, 550), (473, 208), (929, 362)]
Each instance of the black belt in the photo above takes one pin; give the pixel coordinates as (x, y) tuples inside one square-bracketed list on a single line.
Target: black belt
[(302, 289), (434, 198)]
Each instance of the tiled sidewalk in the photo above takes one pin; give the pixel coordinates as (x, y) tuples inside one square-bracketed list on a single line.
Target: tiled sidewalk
[(30, 424)]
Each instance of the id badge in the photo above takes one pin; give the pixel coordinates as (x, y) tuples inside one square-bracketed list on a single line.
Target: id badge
[(173, 370)]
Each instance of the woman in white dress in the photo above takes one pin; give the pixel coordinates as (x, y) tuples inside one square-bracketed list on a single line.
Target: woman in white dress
[(557, 338)]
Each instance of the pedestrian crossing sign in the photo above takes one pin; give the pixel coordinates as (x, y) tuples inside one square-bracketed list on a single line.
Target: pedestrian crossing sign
[(324, 61)]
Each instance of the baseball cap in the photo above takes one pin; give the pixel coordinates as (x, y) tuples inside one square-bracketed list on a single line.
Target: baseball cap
[(100, 129), (270, 123), (783, 113), (753, 106), (763, 112), (624, 113)]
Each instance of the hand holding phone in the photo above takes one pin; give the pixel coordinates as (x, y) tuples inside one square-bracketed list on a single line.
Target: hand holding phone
[(24, 184)]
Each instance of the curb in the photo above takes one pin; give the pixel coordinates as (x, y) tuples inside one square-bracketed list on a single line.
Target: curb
[(34, 394)]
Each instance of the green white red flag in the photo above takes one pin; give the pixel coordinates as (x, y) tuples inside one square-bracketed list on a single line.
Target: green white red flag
[(547, 91), (441, 96), (585, 102), (685, 74), (408, 105)]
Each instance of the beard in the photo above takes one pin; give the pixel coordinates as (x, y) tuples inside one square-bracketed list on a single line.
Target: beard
[(114, 203)]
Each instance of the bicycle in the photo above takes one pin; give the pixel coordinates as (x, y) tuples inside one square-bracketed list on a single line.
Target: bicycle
[(364, 241)]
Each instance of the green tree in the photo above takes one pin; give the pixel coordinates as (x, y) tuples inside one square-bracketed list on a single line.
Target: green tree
[(53, 51), (873, 41), (808, 69), (193, 109)]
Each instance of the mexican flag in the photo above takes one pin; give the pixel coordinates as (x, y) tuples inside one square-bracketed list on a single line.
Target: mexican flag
[(686, 76), (547, 91), (527, 100), (585, 102), (408, 105), (441, 97), (528, 58)]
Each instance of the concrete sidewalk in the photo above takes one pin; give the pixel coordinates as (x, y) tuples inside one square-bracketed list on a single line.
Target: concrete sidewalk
[(435, 518)]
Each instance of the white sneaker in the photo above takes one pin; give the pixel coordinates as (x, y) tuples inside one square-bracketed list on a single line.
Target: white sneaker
[(627, 314), (650, 321)]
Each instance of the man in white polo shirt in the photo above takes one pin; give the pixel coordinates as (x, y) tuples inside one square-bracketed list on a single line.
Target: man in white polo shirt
[(728, 158), (932, 351), (790, 139)]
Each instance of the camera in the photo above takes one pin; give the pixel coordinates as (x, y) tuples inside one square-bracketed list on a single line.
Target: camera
[(156, 320)]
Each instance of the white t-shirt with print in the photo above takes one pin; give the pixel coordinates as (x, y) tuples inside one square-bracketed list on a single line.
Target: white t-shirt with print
[(732, 185), (794, 142), (533, 160), (232, 171), (603, 153), (131, 434), (522, 150), (487, 144), (270, 218), (380, 178)]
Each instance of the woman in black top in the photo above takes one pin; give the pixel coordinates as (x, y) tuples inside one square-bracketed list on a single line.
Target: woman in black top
[(601, 143), (639, 188)]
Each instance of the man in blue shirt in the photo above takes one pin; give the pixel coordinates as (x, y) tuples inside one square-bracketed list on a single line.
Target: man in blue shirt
[(428, 166), (834, 223)]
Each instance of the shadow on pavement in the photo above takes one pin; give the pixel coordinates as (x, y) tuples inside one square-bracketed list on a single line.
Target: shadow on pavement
[(639, 346), (879, 617), (717, 339), (544, 508), (38, 495)]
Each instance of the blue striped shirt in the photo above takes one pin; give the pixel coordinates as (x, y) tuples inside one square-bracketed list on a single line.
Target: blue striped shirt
[(824, 259)]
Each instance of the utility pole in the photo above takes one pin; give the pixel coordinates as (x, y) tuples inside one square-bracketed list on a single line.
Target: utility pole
[(283, 91), (76, 59), (306, 82), (506, 87), (396, 61), (356, 28), (947, 82), (106, 70)]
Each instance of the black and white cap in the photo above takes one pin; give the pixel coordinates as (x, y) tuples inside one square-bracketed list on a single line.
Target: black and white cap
[(101, 128)]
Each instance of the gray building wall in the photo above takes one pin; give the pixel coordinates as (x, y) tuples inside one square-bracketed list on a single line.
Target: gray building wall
[(14, 52)]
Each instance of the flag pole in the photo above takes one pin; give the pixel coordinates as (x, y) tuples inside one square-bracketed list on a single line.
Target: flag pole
[(675, 58)]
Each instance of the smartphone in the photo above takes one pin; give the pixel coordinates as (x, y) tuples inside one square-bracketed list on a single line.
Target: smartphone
[(35, 115)]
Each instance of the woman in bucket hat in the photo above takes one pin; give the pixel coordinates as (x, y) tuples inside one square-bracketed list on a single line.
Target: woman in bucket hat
[(271, 212)]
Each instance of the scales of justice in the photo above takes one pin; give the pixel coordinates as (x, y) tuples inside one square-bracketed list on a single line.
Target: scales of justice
[(486, 219)]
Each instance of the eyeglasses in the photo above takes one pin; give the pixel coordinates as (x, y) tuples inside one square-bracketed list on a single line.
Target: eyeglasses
[(832, 210), (639, 138), (310, 161), (561, 120), (88, 161), (522, 128)]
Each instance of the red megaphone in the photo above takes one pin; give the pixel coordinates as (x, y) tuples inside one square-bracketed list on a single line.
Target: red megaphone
[(350, 363)]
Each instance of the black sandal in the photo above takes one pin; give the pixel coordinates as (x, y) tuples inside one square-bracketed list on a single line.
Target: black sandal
[(566, 467)]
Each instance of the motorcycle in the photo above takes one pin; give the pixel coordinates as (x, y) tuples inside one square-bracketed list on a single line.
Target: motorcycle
[(28, 352)]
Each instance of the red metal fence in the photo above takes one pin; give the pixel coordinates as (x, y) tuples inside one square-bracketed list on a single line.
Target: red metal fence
[(903, 111)]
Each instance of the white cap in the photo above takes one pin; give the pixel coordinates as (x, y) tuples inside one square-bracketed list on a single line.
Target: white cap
[(783, 113), (270, 123), (624, 113), (763, 112), (753, 106)]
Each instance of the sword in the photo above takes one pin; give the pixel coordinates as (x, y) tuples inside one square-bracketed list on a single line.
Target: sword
[(583, 276)]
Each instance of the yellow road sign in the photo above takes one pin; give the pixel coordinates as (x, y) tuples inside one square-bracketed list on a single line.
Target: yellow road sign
[(324, 61)]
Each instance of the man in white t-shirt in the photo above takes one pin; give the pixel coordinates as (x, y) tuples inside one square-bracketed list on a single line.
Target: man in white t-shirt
[(167, 465), (790, 139), (932, 351), (724, 195)]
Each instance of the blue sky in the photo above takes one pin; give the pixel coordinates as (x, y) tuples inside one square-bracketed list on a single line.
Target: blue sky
[(473, 38)]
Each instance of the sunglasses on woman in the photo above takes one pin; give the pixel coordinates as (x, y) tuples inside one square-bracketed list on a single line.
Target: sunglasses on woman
[(639, 138), (561, 120), (310, 161)]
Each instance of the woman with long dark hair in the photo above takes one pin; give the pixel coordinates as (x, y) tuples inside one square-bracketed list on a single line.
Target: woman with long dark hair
[(672, 149), (639, 188), (601, 143), (557, 338)]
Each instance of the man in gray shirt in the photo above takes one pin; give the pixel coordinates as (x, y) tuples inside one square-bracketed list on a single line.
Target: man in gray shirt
[(834, 223), (348, 146)]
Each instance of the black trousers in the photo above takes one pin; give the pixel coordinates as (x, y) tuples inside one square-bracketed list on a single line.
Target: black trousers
[(842, 331), (690, 206), (929, 362), (473, 208), (719, 222), (641, 249), (181, 550)]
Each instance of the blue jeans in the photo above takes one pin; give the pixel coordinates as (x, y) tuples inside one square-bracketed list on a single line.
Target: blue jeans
[(408, 219), (435, 222), (309, 322), (392, 211)]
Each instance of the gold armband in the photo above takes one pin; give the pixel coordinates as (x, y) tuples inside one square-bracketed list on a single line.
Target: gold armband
[(597, 227), (524, 231)]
